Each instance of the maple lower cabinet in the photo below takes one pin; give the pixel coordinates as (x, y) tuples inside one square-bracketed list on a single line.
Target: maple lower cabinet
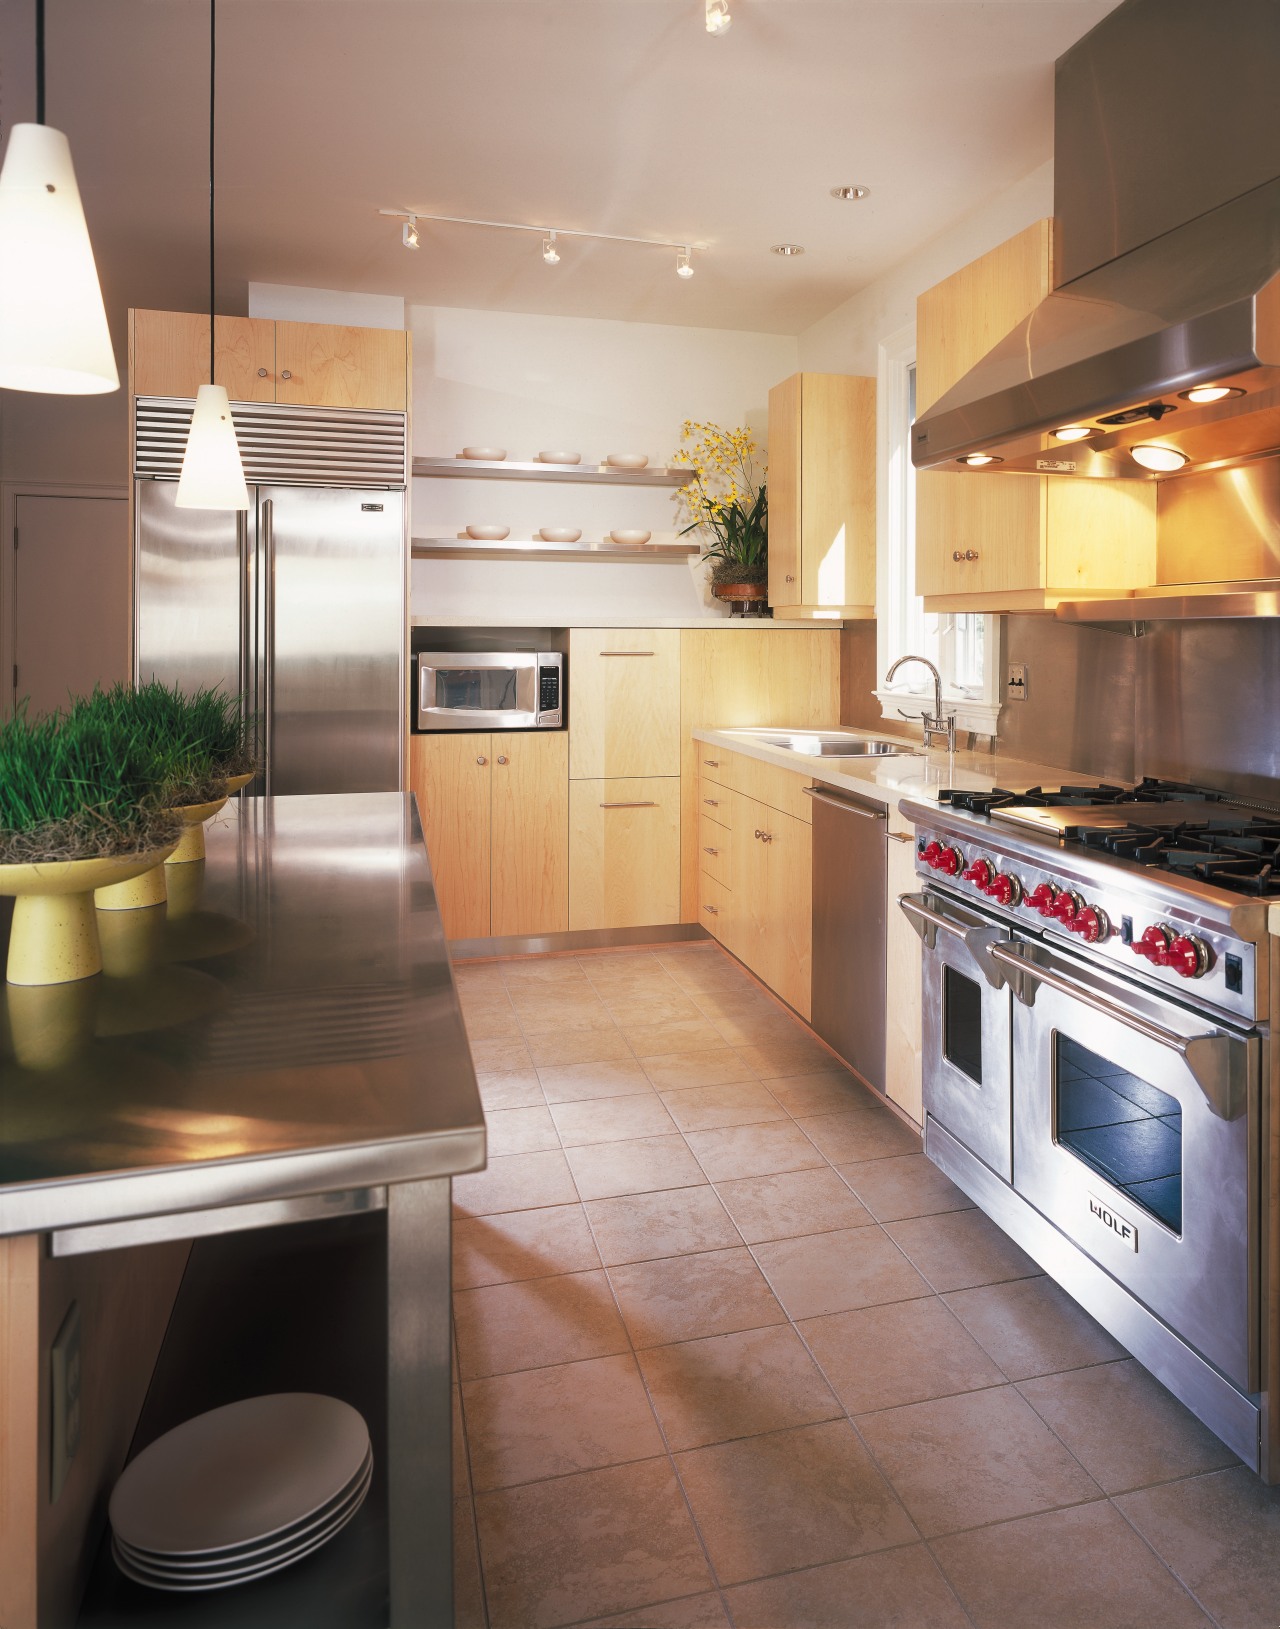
[(624, 852), (495, 815), (772, 920), (624, 711), (987, 541), (822, 495)]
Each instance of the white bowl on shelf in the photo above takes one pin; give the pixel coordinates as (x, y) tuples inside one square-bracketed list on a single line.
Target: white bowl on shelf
[(627, 460), (487, 455), (559, 458), (488, 534), (560, 534), (630, 536)]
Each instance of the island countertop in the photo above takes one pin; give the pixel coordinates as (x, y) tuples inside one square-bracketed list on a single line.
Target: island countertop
[(290, 1028)]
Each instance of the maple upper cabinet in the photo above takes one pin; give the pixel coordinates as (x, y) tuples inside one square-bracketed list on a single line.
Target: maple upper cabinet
[(261, 360), (624, 703), (996, 542), (822, 495)]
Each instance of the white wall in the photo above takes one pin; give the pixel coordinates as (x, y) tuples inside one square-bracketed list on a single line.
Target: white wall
[(531, 384), (288, 303)]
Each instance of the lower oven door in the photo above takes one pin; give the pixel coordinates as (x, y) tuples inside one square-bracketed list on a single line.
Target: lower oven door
[(1136, 1133), (967, 1056)]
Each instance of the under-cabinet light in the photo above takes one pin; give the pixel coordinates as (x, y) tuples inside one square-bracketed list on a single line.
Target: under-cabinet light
[(1153, 456), (1073, 432), (976, 460), (1210, 393)]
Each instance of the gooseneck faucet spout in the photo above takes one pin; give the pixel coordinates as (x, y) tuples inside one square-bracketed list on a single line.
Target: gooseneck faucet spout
[(932, 723)]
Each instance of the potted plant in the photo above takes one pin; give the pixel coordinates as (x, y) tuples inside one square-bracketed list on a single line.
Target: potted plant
[(727, 498)]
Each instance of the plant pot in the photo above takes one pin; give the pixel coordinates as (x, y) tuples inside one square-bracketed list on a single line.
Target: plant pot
[(191, 843), (237, 783), (54, 939), (138, 894), (746, 595)]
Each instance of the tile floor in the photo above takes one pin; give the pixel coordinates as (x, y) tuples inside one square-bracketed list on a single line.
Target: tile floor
[(730, 1351)]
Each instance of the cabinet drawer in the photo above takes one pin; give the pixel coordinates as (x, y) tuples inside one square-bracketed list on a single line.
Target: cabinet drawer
[(715, 907), (715, 802), (765, 783), (624, 852), (624, 702), (714, 852), (714, 764)]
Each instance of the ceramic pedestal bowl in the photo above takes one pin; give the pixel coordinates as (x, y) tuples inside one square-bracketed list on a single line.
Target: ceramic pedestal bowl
[(191, 843), (54, 939), (237, 783)]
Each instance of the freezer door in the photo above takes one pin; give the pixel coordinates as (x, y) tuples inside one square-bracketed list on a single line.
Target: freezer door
[(332, 617), (191, 567)]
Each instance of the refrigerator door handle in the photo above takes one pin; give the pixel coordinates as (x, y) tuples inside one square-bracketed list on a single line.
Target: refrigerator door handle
[(269, 630), (246, 631)]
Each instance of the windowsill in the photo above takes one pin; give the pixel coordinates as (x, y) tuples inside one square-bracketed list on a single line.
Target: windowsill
[(971, 714)]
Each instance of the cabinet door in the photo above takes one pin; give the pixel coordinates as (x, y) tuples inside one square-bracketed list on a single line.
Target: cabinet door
[(530, 869), (837, 491), (322, 365), (245, 358), (624, 853), (169, 355), (624, 703), (978, 534), (902, 1028), (786, 927), (743, 934), (785, 451), (451, 777)]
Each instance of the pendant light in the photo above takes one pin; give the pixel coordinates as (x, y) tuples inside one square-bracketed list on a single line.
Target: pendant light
[(212, 471), (53, 327)]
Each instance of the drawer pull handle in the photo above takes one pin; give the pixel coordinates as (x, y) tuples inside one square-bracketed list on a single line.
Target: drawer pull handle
[(626, 653), (712, 763), (714, 852), (714, 802), (711, 910), (649, 804)]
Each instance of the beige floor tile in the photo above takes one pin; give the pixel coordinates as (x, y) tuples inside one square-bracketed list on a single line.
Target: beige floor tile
[(1070, 1569), (575, 1014), (1221, 1535), (836, 1272), (637, 1010), (599, 1542), (1031, 1326), (557, 1047), (822, 1091), (540, 970), (682, 1298), (479, 979), (986, 1456), (521, 1244), (516, 1182), (539, 1321), (693, 1612), (553, 1421), (468, 1593), (799, 1054), (908, 1185), (893, 1589), (681, 1035), (643, 1165), (612, 1119), (739, 1103), (678, 1071), (500, 1055), (491, 1021), (608, 1077), (869, 1132), (520, 1131), (765, 1030), (672, 1222), (738, 1385), (1125, 1428), (791, 1499), (792, 1204), (960, 1250), (752, 1005), (883, 1357), (718, 976), (510, 1088), (745, 1151)]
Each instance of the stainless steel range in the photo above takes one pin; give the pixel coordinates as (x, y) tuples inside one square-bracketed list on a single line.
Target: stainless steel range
[(1096, 1060)]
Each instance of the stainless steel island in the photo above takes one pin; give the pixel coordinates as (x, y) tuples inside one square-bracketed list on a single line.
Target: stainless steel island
[(275, 1067)]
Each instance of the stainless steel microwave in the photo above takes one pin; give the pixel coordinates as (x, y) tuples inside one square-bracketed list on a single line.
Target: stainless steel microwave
[(490, 690)]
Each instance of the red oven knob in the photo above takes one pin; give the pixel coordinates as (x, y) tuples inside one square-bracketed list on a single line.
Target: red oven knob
[(1005, 889), (1066, 908), (981, 872), (931, 854), (1189, 956), (950, 861), (1154, 945), (1041, 898), (1092, 925)]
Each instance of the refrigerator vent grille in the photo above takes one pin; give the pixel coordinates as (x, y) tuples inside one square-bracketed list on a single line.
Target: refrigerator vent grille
[(281, 445)]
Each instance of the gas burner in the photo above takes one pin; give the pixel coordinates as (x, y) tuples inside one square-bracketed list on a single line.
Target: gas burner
[(1101, 794), (979, 802), (1240, 855)]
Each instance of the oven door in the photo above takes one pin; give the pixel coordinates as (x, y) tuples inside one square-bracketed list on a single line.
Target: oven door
[(489, 690), (1136, 1133), (967, 1059)]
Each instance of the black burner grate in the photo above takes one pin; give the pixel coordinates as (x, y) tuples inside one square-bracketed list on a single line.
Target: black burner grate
[(1148, 790), (1241, 855)]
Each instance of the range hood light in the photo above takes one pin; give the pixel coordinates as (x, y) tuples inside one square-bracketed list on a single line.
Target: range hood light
[(1153, 456), (1211, 393), (1074, 432), (978, 459)]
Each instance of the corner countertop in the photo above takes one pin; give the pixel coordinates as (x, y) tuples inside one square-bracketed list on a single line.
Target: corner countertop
[(886, 780), (296, 1031), (621, 620)]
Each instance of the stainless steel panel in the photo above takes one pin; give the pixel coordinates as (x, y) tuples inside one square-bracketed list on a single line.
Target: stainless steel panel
[(1220, 526), (849, 884), (203, 1224), (1078, 710), (334, 572), (187, 591), (306, 446)]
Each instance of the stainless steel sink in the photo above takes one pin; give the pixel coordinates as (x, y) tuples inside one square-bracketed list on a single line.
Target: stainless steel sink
[(838, 746)]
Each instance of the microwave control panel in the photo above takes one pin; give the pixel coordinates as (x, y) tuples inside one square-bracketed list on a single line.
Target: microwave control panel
[(549, 705)]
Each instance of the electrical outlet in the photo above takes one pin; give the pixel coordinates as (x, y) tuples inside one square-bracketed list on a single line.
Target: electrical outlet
[(65, 1365), (1015, 682)]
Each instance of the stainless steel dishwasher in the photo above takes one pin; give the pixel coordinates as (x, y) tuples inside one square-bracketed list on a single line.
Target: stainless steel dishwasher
[(849, 885)]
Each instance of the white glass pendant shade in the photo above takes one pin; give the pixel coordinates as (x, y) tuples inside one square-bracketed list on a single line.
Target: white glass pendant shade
[(212, 472), (53, 328)]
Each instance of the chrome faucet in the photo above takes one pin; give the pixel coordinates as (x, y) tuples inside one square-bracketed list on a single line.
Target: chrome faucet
[(933, 724)]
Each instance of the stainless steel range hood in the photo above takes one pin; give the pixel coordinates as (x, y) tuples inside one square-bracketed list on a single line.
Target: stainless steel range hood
[(1167, 207)]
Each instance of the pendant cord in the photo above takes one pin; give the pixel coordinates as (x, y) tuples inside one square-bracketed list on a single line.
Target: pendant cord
[(212, 86), (39, 61)]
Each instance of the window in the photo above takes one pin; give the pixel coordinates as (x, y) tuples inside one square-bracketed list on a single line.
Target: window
[(964, 649)]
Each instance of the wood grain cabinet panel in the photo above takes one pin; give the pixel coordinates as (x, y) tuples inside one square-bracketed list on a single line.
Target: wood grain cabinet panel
[(771, 927), (716, 908), (169, 355), (452, 780), (624, 703), (624, 852), (323, 365), (530, 813)]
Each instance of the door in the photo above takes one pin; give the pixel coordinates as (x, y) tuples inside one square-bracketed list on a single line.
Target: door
[(786, 943), (624, 853), (785, 456), (1136, 1133), (451, 778), (70, 597), (332, 619), (190, 567), (624, 716), (530, 832), (324, 365)]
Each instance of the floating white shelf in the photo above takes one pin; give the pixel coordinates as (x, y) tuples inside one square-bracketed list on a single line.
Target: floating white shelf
[(519, 548), (504, 470)]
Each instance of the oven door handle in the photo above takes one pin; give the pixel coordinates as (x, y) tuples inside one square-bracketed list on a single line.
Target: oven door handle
[(980, 942), (1208, 1057)]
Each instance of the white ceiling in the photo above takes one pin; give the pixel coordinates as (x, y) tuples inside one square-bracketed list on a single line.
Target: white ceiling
[(616, 116)]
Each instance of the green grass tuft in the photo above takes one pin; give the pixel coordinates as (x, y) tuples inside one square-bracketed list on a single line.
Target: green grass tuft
[(196, 741)]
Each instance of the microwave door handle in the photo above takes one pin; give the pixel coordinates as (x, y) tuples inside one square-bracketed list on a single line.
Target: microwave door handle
[(1208, 1057)]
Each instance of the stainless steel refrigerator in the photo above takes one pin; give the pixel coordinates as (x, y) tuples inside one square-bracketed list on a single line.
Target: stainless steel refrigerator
[(297, 605)]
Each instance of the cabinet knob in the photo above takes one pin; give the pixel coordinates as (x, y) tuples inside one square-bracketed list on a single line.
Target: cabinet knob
[(502, 760), (956, 554), (482, 760), (286, 374), (971, 554), (262, 373), (788, 579), (765, 836)]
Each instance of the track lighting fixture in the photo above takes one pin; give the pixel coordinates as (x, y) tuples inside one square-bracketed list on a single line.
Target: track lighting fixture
[(684, 263), (550, 236), (409, 236), (718, 18), (549, 251)]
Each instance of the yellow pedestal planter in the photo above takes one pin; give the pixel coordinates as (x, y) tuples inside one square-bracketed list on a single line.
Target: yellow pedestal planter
[(191, 843), (237, 783), (54, 939)]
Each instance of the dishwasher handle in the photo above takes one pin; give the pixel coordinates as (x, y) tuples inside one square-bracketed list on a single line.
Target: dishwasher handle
[(819, 795)]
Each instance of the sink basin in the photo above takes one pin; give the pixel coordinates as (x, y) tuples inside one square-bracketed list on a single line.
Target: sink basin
[(838, 746)]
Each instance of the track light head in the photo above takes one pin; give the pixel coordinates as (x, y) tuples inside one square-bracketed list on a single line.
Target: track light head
[(684, 262), (549, 251), (409, 233), (718, 19)]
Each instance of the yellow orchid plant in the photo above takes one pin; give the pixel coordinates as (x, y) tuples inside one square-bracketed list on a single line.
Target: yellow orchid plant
[(726, 498)]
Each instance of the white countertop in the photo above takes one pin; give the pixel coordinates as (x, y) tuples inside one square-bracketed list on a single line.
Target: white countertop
[(728, 624)]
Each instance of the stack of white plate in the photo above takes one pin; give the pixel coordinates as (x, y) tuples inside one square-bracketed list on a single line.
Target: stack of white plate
[(240, 1492)]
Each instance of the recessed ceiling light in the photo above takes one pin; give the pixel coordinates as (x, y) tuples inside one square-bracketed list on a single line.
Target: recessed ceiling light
[(787, 249), (976, 460), (851, 194), (1210, 393), (1073, 432), (1153, 456)]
